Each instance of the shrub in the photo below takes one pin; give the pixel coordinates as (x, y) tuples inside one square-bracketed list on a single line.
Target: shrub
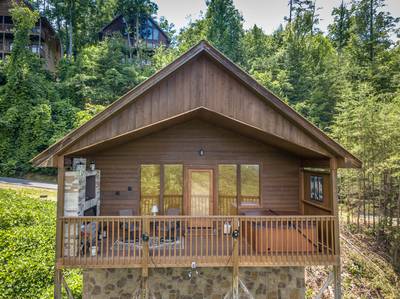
[(27, 244)]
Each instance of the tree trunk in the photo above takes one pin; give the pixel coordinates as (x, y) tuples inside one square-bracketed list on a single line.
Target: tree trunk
[(364, 197), (129, 37), (137, 38), (373, 200), (70, 33), (371, 31)]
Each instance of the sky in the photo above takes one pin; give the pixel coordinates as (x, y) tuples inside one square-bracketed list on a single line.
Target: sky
[(267, 14)]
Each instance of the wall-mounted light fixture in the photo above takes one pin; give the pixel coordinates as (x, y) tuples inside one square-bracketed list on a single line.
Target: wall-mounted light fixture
[(201, 152)]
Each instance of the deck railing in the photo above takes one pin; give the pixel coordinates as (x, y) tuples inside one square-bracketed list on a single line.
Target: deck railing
[(177, 241)]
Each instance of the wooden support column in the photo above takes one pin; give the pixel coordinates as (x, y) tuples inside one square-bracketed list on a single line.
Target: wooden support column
[(59, 229), (145, 259), (301, 191), (235, 260), (334, 196)]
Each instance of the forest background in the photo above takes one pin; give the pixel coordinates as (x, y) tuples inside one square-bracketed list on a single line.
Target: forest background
[(346, 81)]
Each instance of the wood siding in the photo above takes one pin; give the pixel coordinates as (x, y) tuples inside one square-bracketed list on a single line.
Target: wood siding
[(120, 166), (199, 83)]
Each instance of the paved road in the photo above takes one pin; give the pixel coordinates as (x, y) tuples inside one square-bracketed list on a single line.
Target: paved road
[(28, 183)]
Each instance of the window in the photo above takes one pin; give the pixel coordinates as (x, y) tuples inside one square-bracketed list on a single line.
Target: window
[(90, 187), (316, 188), (155, 34), (35, 48), (173, 188), (149, 187), (228, 183), (250, 185), (227, 189)]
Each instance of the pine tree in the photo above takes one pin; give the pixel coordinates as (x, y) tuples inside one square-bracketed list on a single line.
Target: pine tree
[(224, 28)]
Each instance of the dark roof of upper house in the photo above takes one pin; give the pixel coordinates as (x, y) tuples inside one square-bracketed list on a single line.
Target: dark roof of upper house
[(298, 129)]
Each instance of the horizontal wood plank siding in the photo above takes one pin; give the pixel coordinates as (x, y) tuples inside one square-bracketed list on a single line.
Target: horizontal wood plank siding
[(180, 144)]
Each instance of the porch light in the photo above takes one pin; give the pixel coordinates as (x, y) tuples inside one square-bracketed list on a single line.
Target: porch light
[(154, 210), (201, 152)]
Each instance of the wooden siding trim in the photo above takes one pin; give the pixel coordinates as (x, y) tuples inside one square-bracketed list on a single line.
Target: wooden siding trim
[(116, 106), (243, 77), (200, 113), (282, 107)]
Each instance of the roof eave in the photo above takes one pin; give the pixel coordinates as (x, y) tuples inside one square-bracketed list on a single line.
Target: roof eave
[(331, 145)]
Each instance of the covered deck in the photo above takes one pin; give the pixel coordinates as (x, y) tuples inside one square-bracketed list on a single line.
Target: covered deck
[(178, 241)]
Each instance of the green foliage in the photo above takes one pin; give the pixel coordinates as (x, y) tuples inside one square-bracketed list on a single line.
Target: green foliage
[(27, 234), (27, 119), (224, 28), (86, 114), (100, 74)]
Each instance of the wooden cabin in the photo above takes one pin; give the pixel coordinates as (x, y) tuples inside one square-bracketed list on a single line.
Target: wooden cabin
[(43, 38), (199, 169), (151, 34)]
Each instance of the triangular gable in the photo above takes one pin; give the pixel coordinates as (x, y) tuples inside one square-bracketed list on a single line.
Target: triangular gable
[(202, 77)]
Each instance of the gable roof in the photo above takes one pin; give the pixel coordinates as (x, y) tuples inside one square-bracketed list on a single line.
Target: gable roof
[(119, 17), (45, 158)]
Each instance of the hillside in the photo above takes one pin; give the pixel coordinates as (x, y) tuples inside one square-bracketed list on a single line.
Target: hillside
[(366, 270), (27, 228)]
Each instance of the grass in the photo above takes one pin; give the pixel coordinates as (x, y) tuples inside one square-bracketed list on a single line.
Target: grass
[(25, 191)]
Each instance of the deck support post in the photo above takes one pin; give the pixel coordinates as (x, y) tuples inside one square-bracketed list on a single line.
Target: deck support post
[(337, 279), (145, 259), (235, 259), (59, 230)]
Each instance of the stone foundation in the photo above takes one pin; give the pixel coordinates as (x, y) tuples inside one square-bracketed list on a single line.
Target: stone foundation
[(213, 283)]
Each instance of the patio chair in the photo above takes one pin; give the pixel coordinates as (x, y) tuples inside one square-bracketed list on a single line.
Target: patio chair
[(133, 226)]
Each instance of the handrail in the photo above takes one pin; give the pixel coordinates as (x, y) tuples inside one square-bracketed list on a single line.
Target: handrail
[(128, 241)]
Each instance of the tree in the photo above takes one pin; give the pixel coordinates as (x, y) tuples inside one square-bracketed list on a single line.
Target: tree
[(27, 122), (100, 74), (339, 30), (135, 14), (224, 28), (305, 17)]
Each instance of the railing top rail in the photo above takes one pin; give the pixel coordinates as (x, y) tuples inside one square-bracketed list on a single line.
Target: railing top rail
[(216, 217)]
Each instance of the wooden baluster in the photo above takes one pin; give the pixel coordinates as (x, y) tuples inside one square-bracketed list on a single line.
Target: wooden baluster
[(112, 239), (79, 241), (129, 239), (235, 261), (287, 240), (308, 238), (97, 241), (145, 258)]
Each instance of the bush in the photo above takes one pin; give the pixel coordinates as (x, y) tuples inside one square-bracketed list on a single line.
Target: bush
[(27, 244)]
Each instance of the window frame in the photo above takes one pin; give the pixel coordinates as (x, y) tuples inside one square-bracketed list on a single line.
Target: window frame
[(317, 181), (236, 196), (140, 185), (247, 205), (239, 202), (161, 185)]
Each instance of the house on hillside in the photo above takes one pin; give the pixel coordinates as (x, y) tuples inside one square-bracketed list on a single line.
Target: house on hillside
[(152, 36), (198, 183), (44, 41)]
